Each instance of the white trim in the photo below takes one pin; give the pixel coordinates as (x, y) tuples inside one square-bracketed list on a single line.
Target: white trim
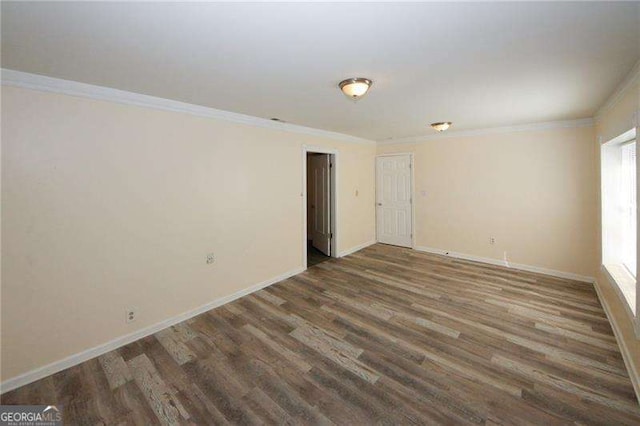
[(334, 198), (70, 361), (623, 299), (620, 91), (552, 272), (634, 375), (392, 154), (519, 266), (413, 195), (548, 125), (356, 248), (627, 136), (461, 256), (73, 88)]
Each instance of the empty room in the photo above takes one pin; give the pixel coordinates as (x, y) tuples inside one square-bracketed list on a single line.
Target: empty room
[(319, 213)]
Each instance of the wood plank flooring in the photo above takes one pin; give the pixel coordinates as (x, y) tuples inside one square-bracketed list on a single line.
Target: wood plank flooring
[(384, 336)]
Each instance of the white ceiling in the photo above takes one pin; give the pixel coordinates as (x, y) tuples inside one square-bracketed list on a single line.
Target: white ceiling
[(479, 65)]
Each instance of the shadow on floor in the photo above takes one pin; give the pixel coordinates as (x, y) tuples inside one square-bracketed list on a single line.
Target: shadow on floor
[(315, 256)]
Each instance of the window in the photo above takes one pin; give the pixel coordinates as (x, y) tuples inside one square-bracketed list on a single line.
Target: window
[(619, 216)]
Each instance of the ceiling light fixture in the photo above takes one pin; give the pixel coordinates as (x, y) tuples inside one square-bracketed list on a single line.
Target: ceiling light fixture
[(355, 88), (442, 126)]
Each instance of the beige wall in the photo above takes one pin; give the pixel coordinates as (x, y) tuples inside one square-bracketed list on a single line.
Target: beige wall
[(534, 191), (537, 192), (106, 206), (610, 124)]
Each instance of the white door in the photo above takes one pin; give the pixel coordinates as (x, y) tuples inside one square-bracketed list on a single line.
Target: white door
[(393, 200), (321, 209)]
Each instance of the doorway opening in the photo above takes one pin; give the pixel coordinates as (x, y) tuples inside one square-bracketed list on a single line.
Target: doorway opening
[(319, 206)]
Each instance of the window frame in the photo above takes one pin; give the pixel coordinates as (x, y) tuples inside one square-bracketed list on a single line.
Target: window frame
[(633, 205), (612, 266)]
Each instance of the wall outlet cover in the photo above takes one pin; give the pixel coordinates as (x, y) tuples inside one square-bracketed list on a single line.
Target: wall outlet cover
[(131, 314)]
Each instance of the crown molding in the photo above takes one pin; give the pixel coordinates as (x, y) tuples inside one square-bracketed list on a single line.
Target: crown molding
[(73, 88), (548, 125), (620, 92)]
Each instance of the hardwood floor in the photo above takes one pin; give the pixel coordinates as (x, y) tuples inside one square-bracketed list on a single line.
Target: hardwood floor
[(384, 336)]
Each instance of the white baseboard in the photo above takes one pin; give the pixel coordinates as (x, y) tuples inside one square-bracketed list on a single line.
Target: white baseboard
[(461, 255), (355, 249), (70, 361), (491, 261), (553, 273), (627, 357)]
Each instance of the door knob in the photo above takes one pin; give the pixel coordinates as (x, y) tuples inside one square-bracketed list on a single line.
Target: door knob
[(379, 204)]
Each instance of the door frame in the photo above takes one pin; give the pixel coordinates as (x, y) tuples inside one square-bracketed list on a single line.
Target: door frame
[(333, 198), (413, 194)]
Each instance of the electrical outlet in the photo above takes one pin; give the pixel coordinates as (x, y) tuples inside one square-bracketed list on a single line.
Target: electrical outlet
[(210, 259), (492, 240), (132, 314)]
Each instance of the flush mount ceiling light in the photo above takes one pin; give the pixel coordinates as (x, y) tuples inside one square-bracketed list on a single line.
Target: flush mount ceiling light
[(442, 126), (355, 88)]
